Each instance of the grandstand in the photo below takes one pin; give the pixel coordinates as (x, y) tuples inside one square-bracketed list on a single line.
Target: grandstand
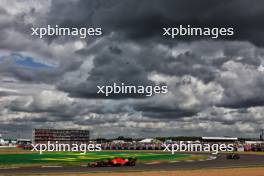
[(60, 136)]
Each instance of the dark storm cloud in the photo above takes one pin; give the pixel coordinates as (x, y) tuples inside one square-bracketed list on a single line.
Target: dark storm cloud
[(165, 112), (109, 66), (133, 67), (185, 66), (7, 93), (239, 115), (27, 74), (115, 50), (146, 18), (249, 102)]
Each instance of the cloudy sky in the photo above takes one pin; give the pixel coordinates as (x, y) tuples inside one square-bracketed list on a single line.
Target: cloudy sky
[(215, 85)]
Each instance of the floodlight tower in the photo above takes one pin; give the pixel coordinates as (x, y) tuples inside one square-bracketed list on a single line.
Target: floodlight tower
[(262, 135)]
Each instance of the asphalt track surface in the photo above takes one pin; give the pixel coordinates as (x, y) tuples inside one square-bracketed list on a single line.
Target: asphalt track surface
[(246, 160)]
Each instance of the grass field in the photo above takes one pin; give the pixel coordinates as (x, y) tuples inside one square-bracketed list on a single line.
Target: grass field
[(71, 158)]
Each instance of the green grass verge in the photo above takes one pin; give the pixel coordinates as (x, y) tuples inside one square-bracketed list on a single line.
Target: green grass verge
[(72, 158)]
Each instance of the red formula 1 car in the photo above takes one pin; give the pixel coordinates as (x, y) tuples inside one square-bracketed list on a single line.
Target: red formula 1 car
[(117, 161)]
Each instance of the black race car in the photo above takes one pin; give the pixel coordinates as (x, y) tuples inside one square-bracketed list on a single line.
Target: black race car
[(233, 156)]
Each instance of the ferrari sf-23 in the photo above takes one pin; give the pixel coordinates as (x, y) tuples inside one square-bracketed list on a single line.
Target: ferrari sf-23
[(117, 161)]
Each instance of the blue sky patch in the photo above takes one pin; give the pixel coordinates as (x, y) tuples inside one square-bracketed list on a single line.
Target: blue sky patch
[(26, 61)]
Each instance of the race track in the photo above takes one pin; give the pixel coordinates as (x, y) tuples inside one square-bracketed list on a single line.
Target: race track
[(246, 160)]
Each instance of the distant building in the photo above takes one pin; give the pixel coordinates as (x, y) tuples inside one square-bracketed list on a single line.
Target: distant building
[(150, 140), (7, 142), (254, 142), (23, 141), (42, 136), (219, 139)]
